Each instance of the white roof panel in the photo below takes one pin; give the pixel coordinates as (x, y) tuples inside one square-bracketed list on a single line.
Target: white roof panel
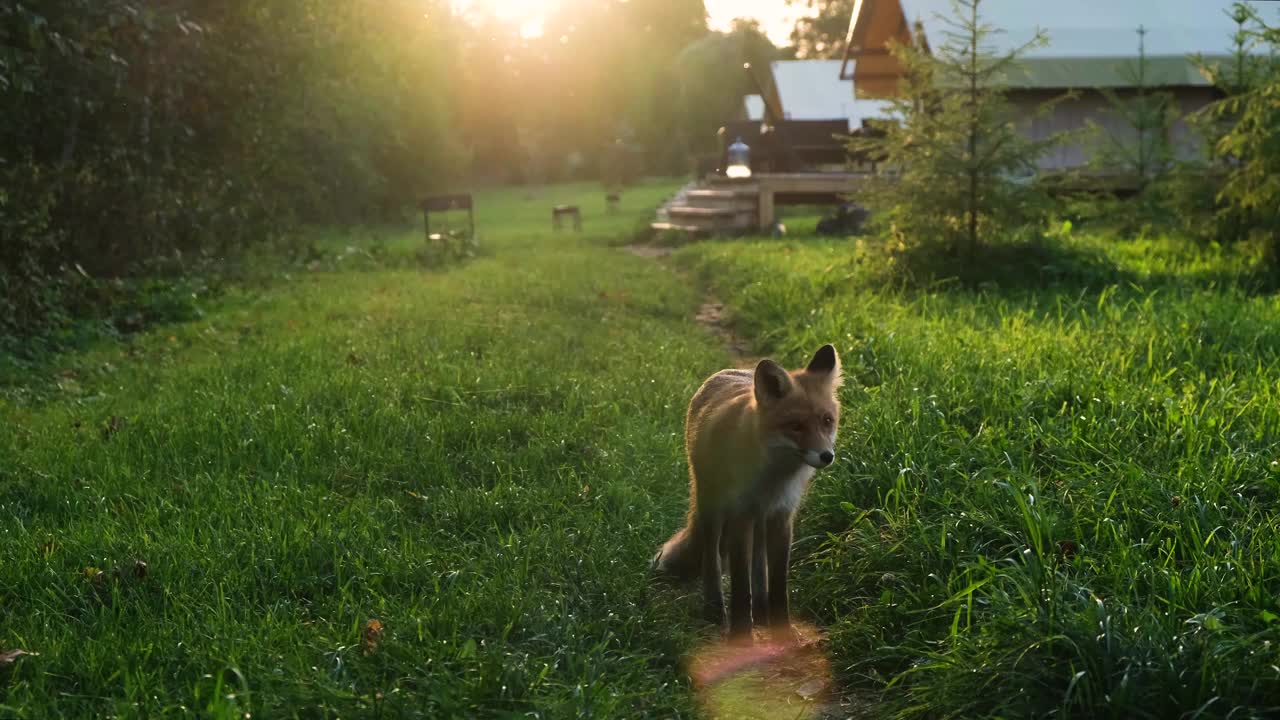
[(813, 90)]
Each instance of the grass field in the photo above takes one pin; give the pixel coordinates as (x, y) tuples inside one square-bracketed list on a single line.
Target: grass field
[(482, 459), (1051, 503)]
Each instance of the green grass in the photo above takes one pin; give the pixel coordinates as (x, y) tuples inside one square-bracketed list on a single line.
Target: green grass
[(1054, 502), (482, 459), (1058, 502)]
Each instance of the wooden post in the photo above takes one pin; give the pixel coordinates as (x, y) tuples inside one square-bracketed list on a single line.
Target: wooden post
[(766, 206)]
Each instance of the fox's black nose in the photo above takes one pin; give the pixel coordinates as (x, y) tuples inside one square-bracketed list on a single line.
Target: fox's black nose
[(826, 457)]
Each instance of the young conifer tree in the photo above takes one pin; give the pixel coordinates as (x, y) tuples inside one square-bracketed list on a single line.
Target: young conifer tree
[(957, 156), (1138, 144), (1244, 129), (1240, 79)]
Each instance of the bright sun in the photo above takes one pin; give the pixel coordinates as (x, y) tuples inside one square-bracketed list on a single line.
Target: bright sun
[(529, 14)]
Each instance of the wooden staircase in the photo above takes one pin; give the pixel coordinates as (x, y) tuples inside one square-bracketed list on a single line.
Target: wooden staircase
[(710, 209), (721, 206)]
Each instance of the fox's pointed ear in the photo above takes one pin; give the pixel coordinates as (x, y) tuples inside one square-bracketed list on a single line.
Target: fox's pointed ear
[(772, 381), (825, 362)]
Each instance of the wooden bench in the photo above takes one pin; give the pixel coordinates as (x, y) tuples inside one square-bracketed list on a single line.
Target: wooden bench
[(446, 204), (559, 212)]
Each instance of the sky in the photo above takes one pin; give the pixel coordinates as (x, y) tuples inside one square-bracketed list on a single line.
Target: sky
[(775, 16)]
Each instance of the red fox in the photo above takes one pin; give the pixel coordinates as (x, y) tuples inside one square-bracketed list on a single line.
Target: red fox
[(754, 441)]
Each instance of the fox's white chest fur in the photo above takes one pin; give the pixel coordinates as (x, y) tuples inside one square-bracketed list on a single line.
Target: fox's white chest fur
[(771, 484)]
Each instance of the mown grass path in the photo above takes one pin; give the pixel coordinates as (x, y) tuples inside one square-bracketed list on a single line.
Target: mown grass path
[(482, 459)]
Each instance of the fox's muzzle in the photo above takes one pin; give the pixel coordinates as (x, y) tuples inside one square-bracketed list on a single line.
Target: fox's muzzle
[(818, 458)]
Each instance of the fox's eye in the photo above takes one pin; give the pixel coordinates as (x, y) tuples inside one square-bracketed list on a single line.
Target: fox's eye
[(795, 427), (828, 420)]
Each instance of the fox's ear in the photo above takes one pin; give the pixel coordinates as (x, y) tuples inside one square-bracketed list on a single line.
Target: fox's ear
[(824, 361), (826, 364), (772, 381)]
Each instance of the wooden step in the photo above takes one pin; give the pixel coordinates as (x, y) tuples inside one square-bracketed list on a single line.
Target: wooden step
[(720, 182), (674, 227), (735, 199), (692, 211), (727, 193), (713, 220)]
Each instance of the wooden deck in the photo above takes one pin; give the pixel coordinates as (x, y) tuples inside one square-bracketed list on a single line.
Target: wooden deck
[(724, 206)]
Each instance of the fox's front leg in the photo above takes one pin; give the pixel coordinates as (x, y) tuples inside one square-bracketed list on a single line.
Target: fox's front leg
[(778, 533), (759, 572), (710, 526), (739, 527)]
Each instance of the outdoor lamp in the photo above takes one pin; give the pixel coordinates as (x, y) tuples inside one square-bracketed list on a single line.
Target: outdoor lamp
[(739, 160)]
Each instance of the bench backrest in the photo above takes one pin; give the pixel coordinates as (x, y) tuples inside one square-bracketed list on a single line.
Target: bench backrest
[(441, 203)]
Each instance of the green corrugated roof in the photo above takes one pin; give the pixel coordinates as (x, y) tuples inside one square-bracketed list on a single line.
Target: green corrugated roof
[(1105, 72)]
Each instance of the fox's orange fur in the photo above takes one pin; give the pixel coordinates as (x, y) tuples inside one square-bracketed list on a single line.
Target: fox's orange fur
[(754, 440)]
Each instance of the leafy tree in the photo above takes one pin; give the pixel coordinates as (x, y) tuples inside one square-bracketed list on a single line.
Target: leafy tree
[(821, 32), (145, 137), (713, 83), (956, 155), (153, 138)]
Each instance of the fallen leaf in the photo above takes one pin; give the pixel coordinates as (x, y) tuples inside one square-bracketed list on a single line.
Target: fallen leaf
[(112, 426), (371, 636), (1068, 548), (812, 689), (9, 657), (139, 569), (355, 360), (95, 576)]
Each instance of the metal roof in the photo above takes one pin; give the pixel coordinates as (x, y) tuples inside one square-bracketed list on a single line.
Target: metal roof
[(1098, 28), (813, 90), (1091, 41)]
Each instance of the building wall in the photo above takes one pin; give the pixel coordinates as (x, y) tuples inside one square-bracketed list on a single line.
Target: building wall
[(1070, 117)]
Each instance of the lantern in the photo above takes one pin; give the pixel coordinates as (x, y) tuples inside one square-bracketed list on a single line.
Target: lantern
[(739, 160)]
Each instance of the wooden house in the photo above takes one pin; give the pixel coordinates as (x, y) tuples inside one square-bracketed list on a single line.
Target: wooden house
[(1093, 46)]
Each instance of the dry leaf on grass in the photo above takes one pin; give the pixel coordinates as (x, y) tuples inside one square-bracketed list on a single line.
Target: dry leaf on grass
[(9, 657), (371, 636), (112, 426)]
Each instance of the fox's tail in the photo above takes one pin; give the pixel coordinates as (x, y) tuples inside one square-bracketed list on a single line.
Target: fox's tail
[(679, 558)]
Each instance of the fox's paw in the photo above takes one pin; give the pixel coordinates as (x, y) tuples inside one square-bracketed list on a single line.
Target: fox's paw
[(655, 564), (713, 613), (784, 634)]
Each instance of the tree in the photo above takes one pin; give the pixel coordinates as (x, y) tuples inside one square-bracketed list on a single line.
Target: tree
[(1248, 145), (956, 156), (713, 82), (821, 33), (140, 136), (1142, 148)]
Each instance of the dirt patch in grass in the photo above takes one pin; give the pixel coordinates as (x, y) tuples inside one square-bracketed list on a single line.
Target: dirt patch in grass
[(648, 251), (711, 315)]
